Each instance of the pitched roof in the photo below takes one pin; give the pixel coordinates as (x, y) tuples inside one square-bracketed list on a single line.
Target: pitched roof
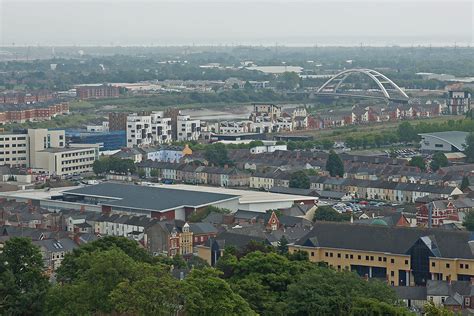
[(397, 240)]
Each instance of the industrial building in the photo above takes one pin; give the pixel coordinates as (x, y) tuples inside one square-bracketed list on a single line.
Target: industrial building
[(452, 141)]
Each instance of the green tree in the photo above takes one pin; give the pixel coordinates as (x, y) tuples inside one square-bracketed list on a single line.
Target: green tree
[(469, 147), (299, 179), (73, 264), (248, 86), (349, 293), (283, 245), (334, 165), (104, 278), (217, 155), (154, 173), (439, 160), (465, 183), (406, 132), (23, 285), (141, 173), (328, 214), (150, 295), (289, 81), (205, 293), (417, 161), (469, 221), (430, 309)]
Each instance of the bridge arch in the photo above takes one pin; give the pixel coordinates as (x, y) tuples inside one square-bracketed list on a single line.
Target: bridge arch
[(382, 81)]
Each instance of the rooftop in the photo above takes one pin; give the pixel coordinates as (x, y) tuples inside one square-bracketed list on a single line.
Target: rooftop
[(149, 198), (455, 138)]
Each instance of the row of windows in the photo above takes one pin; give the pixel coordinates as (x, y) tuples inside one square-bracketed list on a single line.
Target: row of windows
[(76, 168), (13, 152), (13, 145), (13, 159), (359, 257), (67, 162), (448, 265), (13, 138), (82, 153)]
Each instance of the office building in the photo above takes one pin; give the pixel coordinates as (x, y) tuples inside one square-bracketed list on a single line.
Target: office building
[(45, 151)]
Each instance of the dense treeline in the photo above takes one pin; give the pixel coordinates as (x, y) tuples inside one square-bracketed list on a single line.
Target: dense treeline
[(115, 276), (127, 65)]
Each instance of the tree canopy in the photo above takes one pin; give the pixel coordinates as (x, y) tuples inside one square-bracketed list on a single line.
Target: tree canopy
[(23, 286), (216, 154), (299, 179), (327, 213), (439, 160), (469, 149), (469, 221), (417, 161), (334, 165)]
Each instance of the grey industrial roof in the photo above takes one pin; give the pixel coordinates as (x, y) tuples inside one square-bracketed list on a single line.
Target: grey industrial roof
[(455, 138), (397, 240), (148, 198)]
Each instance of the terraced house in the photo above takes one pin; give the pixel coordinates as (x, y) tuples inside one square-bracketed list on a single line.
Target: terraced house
[(403, 256)]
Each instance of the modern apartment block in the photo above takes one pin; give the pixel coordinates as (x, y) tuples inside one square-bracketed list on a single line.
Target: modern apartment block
[(118, 121), (458, 102), (155, 128), (144, 130), (45, 150), (187, 128)]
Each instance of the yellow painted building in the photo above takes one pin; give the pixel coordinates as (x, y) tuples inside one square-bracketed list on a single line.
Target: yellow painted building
[(400, 255)]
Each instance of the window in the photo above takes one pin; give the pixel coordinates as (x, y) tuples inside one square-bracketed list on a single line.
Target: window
[(380, 259), (392, 273), (326, 254), (331, 254), (366, 257), (359, 257), (347, 256), (433, 264), (384, 259), (392, 260), (339, 255), (312, 253), (462, 266), (406, 262), (371, 258), (352, 256), (447, 265), (466, 266)]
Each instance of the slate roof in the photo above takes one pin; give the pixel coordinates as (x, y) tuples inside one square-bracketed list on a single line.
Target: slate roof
[(397, 240), (148, 198), (411, 292)]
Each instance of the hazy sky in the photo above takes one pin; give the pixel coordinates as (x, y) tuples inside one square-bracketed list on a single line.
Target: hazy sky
[(266, 22)]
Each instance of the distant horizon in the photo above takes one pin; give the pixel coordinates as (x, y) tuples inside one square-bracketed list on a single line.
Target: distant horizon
[(126, 23)]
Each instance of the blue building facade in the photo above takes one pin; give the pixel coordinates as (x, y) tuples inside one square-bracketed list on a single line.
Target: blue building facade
[(108, 140)]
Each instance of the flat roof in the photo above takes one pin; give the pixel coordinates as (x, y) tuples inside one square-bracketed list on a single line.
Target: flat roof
[(455, 138), (61, 150), (246, 196), (150, 198)]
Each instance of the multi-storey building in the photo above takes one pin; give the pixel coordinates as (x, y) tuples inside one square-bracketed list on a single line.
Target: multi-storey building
[(46, 151), (138, 130), (402, 256), (144, 130), (118, 121), (187, 128), (22, 115), (99, 91), (458, 102)]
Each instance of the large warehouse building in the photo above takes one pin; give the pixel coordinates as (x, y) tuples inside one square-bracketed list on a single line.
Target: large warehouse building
[(157, 201), (452, 141)]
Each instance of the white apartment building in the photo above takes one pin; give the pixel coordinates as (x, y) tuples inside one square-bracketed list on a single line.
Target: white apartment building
[(187, 129), (104, 127), (234, 127), (161, 128), (144, 130), (138, 130)]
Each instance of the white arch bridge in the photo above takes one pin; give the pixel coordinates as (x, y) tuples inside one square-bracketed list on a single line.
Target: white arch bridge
[(389, 90)]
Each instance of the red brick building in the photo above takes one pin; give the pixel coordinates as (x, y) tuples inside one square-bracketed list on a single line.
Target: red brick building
[(97, 92)]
